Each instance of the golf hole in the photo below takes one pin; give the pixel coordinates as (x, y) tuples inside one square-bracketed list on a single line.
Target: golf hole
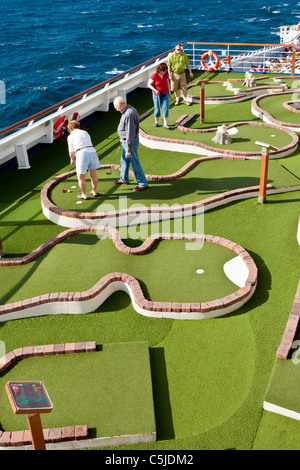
[(73, 187), (199, 271), (78, 202)]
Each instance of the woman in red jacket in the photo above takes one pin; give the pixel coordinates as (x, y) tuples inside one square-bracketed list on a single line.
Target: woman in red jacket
[(159, 84)]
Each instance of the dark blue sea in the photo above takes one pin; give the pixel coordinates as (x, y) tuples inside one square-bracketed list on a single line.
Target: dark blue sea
[(53, 49)]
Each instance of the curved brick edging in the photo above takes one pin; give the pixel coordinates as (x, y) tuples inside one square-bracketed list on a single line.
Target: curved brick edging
[(289, 106), (88, 301), (237, 97), (51, 435), (291, 328), (190, 146), (50, 209), (72, 219), (281, 152), (268, 118)]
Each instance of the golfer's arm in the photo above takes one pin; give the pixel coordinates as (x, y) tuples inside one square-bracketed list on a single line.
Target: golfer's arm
[(72, 157)]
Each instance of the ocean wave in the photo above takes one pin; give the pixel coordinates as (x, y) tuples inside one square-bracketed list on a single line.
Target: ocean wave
[(149, 25), (46, 47), (114, 71)]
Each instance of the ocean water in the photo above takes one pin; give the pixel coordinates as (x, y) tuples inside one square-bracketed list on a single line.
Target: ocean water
[(51, 50)]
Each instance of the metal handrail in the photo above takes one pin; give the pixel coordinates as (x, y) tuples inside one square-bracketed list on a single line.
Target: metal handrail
[(235, 50)]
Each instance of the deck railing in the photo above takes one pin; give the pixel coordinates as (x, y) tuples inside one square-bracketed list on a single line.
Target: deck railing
[(243, 57), (16, 139)]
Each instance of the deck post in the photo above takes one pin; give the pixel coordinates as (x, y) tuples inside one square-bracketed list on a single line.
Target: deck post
[(293, 62), (202, 100), (265, 152)]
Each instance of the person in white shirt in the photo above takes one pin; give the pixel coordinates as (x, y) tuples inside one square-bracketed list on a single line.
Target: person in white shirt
[(82, 151)]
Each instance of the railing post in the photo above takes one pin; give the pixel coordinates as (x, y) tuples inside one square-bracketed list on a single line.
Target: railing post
[(293, 63), (194, 56)]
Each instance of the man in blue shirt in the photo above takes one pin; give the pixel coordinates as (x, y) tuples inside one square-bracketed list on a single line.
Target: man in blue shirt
[(128, 130)]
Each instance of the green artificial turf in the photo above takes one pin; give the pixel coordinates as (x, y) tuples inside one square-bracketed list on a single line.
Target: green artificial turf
[(204, 180), (284, 384), (113, 384), (273, 105), (176, 263), (277, 432), (209, 377)]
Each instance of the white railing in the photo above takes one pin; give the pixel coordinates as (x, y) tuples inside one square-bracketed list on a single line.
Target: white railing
[(17, 139), (243, 57)]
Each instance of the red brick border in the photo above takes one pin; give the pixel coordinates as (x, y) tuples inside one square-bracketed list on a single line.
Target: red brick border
[(291, 328), (244, 95), (51, 435), (242, 154), (288, 105), (261, 111)]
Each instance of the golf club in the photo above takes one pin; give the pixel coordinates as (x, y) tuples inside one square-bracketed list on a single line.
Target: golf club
[(109, 172), (65, 180)]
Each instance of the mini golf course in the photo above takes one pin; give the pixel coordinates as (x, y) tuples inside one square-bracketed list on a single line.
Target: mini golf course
[(192, 384)]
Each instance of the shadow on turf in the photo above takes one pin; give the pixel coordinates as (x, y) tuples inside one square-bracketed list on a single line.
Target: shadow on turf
[(162, 406), (264, 285)]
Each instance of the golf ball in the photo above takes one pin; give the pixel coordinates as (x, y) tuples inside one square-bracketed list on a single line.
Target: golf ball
[(69, 190)]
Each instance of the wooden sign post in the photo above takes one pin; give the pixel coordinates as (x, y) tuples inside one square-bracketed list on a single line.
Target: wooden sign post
[(30, 398), (265, 152), (202, 99)]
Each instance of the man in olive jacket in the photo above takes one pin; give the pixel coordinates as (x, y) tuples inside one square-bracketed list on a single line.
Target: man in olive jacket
[(176, 65)]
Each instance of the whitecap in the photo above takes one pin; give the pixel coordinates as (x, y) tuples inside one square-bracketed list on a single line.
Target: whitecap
[(114, 71), (79, 67)]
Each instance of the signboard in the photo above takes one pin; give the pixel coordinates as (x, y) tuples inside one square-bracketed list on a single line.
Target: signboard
[(28, 397)]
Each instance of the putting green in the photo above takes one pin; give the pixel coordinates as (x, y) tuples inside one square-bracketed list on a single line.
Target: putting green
[(202, 181), (117, 401), (178, 280), (243, 140), (274, 106)]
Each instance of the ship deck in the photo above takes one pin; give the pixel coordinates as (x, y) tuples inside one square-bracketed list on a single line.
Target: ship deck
[(212, 361)]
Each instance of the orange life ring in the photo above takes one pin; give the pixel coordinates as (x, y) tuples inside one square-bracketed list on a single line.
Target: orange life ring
[(210, 66), (60, 126)]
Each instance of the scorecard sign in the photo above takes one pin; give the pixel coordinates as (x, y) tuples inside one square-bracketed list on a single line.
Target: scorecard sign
[(28, 397)]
